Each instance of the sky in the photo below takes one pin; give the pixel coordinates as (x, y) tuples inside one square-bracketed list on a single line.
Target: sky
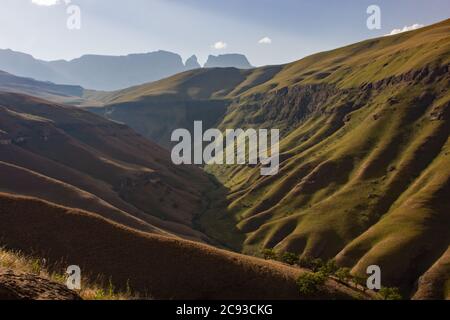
[(266, 31)]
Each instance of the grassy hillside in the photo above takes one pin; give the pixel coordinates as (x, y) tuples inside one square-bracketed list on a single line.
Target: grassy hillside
[(151, 265), (365, 157), (364, 177), (76, 159), (364, 151), (80, 189), (24, 276)]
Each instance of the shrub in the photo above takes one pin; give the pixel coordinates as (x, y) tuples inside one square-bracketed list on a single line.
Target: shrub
[(361, 281), (329, 268), (390, 294), (316, 264), (343, 274), (290, 258), (309, 283), (269, 254)]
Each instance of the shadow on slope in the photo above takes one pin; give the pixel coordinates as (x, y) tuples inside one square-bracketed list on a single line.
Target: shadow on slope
[(162, 267)]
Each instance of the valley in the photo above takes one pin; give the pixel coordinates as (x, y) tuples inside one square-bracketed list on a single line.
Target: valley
[(364, 152), (363, 180)]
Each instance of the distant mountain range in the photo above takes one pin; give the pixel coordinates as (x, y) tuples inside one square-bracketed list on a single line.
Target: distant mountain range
[(74, 182), (111, 72)]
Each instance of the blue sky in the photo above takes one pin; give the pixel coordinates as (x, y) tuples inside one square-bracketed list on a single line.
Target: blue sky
[(296, 28)]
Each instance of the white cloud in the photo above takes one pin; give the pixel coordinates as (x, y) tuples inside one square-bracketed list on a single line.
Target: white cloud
[(45, 2), (219, 45), (405, 29), (265, 40)]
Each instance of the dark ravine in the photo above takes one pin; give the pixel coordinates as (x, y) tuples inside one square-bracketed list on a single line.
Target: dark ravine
[(156, 119)]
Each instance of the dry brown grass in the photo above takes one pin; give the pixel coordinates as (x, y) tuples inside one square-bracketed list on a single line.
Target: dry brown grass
[(21, 263), (152, 265)]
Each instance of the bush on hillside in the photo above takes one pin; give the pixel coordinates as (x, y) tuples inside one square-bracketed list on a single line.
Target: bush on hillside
[(390, 294), (343, 274), (309, 283), (269, 254), (290, 258), (316, 264), (329, 268), (360, 281)]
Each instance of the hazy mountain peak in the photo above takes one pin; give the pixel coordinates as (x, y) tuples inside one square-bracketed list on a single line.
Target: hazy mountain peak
[(233, 60), (192, 63)]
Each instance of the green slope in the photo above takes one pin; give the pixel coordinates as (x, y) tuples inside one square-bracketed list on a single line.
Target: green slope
[(365, 171)]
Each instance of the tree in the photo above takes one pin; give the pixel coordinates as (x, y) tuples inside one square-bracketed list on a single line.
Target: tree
[(290, 258), (316, 264), (360, 281), (390, 294), (269, 254), (329, 268), (343, 274), (309, 283)]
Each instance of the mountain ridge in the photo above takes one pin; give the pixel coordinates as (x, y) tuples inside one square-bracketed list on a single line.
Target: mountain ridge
[(104, 72)]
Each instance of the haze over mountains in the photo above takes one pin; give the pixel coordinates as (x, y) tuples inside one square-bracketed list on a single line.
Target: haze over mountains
[(49, 90), (110, 72)]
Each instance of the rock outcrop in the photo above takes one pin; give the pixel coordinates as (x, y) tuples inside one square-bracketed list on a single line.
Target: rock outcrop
[(22, 286)]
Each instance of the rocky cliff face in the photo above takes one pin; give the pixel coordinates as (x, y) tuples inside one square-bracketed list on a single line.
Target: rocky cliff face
[(116, 72)]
